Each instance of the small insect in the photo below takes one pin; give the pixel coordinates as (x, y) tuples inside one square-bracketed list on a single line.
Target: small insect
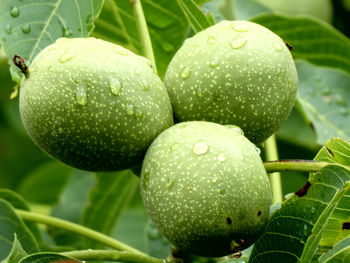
[(291, 48)]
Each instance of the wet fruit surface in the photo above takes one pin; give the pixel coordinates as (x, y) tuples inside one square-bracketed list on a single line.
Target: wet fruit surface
[(85, 104), (205, 187), (236, 72)]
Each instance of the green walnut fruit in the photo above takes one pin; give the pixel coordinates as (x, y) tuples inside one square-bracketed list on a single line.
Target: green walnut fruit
[(321, 9), (235, 72), (93, 105), (205, 187)]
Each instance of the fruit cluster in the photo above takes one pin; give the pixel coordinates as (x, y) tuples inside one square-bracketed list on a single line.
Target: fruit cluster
[(97, 106)]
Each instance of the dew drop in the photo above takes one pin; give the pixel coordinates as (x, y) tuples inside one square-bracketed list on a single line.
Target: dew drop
[(239, 27), (8, 29), (235, 129), (115, 86), (214, 63), (67, 33), (278, 47), (200, 148), (88, 19), (238, 43), (258, 150), (121, 51), (66, 57), (138, 114), (174, 147), (138, 73), (211, 39), (26, 29), (199, 92), (186, 72), (145, 86), (130, 110), (214, 179), (14, 12), (153, 233), (81, 94), (221, 157), (145, 180), (60, 130)]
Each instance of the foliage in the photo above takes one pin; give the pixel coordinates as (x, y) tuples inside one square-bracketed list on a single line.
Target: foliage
[(83, 210)]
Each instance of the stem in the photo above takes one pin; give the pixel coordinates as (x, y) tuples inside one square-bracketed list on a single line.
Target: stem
[(78, 229), (294, 165), (111, 255), (275, 178), (141, 25)]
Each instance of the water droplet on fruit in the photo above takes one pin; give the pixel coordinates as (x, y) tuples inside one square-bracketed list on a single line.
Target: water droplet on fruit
[(65, 57), (235, 129), (278, 47), (174, 147), (81, 94), (153, 233), (145, 180), (238, 43), (138, 114), (258, 150), (239, 27), (221, 157), (199, 92), (186, 72), (130, 110), (214, 63), (120, 51), (8, 29), (115, 86), (145, 85), (26, 29), (200, 148), (138, 73), (211, 39), (14, 12), (214, 179)]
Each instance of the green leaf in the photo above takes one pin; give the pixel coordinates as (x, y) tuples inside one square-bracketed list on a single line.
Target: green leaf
[(311, 38), (336, 151), (247, 9), (107, 200), (10, 224), (16, 254), (340, 253), (45, 183), (288, 229), (323, 93), (26, 28), (73, 200), (166, 24), (48, 258), (194, 15), (19, 203), (320, 225)]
